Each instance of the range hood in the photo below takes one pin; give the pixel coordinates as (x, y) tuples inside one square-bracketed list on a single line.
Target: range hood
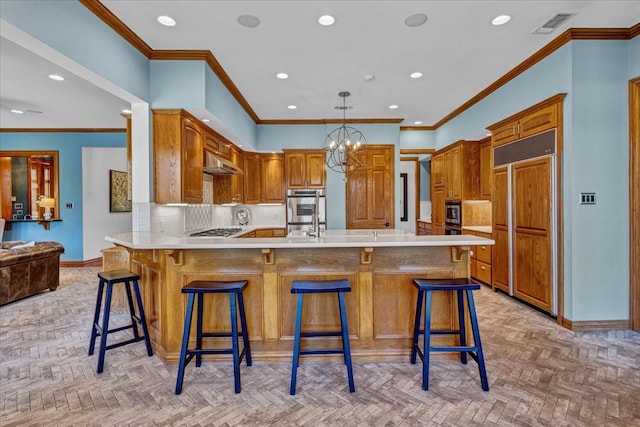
[(216, 165)]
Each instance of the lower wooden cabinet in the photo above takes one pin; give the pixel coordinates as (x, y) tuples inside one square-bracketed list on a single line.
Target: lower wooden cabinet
[(423, 228), (266, 232), (481, 258)]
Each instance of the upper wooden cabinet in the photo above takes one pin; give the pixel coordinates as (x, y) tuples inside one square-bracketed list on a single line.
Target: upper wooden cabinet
[(272, 169), (460, 174), (486, 169), (437, 170), (178, 150), (229, 188), (541, 117), (263, 178), (305, 168)]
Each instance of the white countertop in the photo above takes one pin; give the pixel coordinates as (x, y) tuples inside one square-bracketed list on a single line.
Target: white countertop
[(332, 239)]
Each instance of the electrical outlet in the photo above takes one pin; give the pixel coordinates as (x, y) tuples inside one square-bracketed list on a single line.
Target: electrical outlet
[(587, 198), (69, 205)]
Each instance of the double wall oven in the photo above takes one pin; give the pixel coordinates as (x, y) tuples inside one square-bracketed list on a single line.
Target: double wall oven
[(453, 217), (306, 211)]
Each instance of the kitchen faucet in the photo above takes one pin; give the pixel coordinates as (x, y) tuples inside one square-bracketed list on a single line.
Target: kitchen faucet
[(315, 223)]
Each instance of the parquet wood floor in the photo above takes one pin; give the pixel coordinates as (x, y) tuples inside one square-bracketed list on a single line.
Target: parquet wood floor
[(539, 373)]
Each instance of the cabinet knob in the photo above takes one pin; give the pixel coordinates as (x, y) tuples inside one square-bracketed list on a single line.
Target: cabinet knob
[(484, 248), (483, 268)]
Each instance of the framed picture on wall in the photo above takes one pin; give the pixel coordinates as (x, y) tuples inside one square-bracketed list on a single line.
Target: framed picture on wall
[(118, 192)]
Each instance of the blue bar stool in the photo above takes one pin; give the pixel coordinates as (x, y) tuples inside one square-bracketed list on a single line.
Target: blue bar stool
[(460, 286), (111, 278), (302, 287), (199, 288)]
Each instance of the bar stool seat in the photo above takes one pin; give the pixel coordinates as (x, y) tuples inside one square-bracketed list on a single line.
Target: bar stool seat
[(111, 278), (460, 286), (302, 287), (236, 301)]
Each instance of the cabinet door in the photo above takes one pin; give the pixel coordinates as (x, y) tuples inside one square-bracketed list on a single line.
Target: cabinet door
[(252, 178), (453, 166), (532, 233), (500, 251), (544, 119), (437, 170), (486, 170), (272, 166), (316, 168), (437, 203), (296, 170), (237, 181), (505, 133), (192, 160)]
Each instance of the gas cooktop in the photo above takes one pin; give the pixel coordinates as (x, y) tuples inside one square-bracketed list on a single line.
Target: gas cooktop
[(217, 232)]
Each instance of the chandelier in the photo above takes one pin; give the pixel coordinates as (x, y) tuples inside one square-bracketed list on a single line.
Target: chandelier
[(346, 144)]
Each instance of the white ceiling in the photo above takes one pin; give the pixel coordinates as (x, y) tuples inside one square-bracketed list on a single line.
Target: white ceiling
[(457, 50)]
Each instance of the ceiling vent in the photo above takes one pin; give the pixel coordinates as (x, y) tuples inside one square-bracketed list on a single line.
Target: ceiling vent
[(553, 23)]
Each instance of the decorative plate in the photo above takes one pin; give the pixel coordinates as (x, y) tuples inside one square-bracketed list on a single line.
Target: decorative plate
[(243, 215)]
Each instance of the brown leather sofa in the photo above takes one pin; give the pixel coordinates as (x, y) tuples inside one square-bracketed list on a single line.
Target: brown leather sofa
[(27, 269)]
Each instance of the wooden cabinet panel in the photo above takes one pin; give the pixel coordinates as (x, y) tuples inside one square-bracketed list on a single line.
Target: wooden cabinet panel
[(500, 259), (532, 239), (252, 181), (460, 170), (531, 123), (500, 203), (178, 150), (483, 253), (437, 214), (483, 272), (486, 169), (305, 168), (272, 178), (424, 228), (437, 170)]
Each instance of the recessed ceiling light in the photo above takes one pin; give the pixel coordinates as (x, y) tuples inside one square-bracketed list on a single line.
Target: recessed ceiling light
[(417, 123), (415, 20), (393, 107), (56, 77), (248, 21), (17, 111), (167, 21), (326, 20), (125, 111), (416, 75), (500, 20), (282, 76), (292, 107), (369, 77)]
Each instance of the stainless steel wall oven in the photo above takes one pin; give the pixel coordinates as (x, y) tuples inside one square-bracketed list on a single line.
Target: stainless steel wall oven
[(306, 211), (453, 217)]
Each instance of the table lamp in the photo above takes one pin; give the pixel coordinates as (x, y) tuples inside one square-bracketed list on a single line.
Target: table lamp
[(47, 204)]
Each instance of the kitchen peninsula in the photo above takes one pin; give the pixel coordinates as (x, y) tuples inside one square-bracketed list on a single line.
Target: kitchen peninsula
[(380, 265)]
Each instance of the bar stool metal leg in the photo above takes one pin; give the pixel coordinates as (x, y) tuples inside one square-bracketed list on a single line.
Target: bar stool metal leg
[(185, 343), (476, 339), (416, 330), (245, 333), (461, 327), (234, 342), (296, 346), (345, 340), (105, 328), (427, 342), (96, 317), (142, 318)]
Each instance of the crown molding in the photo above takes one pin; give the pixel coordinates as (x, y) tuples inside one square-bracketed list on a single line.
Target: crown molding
[(64, 130), (119, 27)]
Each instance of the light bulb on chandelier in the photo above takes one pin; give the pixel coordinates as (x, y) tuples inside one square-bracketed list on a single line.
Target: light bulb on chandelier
[(343, 154)]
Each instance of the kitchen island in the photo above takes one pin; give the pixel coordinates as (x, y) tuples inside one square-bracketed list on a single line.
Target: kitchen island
[(380, 265)]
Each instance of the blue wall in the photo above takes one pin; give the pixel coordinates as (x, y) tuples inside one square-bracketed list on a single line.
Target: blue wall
[(69, 147)]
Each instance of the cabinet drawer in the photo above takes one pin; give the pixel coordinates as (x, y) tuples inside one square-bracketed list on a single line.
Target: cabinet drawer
[(483, 253), (279, 232), (264, 233), (483, 272)]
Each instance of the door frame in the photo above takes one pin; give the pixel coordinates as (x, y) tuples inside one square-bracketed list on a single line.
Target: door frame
[(634, 203)]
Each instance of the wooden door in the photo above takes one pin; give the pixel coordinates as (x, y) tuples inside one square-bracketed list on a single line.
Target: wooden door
[(272, 166), (500, 256), (532, 228), (370, 190), (193, 162)]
